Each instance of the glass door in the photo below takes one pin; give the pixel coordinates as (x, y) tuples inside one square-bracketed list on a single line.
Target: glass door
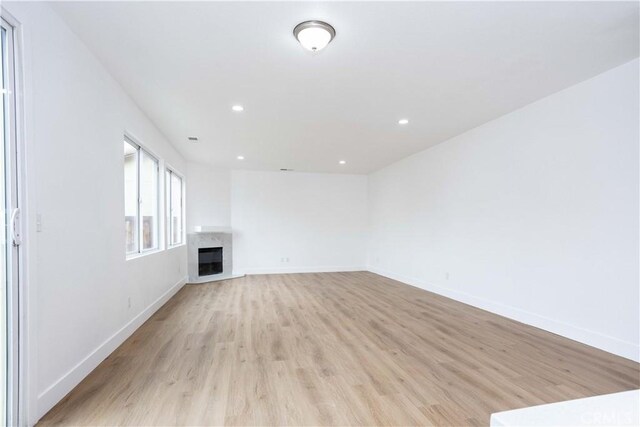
[(9, 234)]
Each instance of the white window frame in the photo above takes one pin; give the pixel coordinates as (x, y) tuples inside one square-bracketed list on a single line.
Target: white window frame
[(139, 219), (169, 224)]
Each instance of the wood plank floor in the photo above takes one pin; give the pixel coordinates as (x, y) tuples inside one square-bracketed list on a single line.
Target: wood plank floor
[(332, 349)]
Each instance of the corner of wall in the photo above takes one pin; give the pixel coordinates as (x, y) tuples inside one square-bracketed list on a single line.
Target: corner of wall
[(607, 343), (55, 392)]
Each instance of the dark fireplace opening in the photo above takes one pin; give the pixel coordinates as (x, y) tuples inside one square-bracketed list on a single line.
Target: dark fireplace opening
[(209, 261)]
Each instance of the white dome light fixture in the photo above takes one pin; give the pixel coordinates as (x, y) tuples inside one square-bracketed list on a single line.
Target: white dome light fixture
[(314, 35)]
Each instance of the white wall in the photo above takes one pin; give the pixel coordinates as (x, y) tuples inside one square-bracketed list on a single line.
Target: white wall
[(208, 196), (317, 221), (79, 281), (533, 215)]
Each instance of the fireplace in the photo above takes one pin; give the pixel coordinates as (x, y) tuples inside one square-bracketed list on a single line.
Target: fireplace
[(209, 255), (209, 261)]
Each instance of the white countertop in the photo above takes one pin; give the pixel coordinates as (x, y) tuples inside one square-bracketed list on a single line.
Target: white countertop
[(617, 409)]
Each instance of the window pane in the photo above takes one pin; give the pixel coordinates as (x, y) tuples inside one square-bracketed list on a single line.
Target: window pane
[(176, 209), (131, 197), (167, 203), (149, 197)]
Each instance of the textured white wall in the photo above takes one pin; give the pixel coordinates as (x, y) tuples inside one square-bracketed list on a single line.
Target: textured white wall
[(208, 196), (533, 215), (79, 281), (317, 221)]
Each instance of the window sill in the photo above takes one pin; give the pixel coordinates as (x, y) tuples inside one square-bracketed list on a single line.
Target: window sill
[(176, 246), (143, 254)]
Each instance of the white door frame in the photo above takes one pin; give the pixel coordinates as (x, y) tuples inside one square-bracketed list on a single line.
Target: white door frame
[(16, 375)]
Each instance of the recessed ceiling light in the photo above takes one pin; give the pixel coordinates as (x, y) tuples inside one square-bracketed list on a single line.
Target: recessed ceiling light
[(343, 162), (237, 108), (403, 121), (314, 35), (240, 157)]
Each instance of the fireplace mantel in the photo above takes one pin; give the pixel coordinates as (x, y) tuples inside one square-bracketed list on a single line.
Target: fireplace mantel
[(211, 229), (221, 238)]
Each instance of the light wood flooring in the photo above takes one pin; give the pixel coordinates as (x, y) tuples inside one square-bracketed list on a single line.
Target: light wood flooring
[(332, 349)]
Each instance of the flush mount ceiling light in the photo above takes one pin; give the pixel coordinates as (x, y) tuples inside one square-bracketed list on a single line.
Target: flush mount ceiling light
[(240, 157), (314, 35), (237, 108), (403, 121)]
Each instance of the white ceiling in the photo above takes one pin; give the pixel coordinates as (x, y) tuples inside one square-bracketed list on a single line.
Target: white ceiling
[(447, 67)]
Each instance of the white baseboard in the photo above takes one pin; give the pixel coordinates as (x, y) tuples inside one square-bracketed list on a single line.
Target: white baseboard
[(607, 343), (55, 392), (288, 270)]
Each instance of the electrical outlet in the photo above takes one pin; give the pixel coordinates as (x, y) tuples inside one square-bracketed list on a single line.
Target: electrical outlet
[(38, 223), (446, 276)]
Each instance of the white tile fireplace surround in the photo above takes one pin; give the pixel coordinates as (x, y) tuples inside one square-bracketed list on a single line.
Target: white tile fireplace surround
[(218, 241)]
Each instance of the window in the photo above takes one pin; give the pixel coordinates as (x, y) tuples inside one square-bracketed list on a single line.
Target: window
[(131, 196), (141, 204), (149, 200), (175, 203)]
